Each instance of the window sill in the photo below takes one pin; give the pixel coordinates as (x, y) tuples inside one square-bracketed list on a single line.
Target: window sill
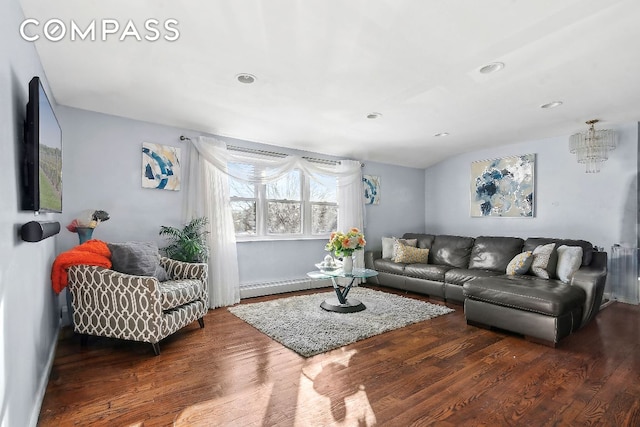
[(244, 239)]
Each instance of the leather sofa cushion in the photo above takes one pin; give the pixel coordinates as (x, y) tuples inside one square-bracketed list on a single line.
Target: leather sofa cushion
[(494, 253), (587, 248), (549, 297), (451, 250), (388, 266), (459, 276), (425, 241), (427, 271)]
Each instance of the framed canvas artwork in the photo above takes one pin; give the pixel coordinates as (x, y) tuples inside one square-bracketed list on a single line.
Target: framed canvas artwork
[(160, 166), (371, 189), (503, 187)]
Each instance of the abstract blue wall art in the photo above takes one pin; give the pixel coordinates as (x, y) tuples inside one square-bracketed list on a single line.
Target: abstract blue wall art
[(160, 166), (371, 185), (503, 187)]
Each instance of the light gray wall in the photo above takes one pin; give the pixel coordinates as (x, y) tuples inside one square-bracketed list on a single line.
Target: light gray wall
[(29, 314), (570, 203), (102, 161), (401, 208)]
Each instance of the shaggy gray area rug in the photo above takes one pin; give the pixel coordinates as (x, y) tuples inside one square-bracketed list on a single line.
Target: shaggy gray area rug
[(300, 324)]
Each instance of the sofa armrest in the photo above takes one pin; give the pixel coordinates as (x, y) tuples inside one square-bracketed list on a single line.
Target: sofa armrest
[(118, 305), (592, 279), (369, 257)]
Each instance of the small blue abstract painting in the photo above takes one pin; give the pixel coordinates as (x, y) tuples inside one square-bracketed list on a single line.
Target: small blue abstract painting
[(371, 189), (503, 187), (160, 166)]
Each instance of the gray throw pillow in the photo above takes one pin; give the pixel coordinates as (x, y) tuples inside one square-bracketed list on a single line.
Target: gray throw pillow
[(137, 258)]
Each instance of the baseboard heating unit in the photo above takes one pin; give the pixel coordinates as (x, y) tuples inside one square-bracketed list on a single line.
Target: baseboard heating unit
[(250, 290)]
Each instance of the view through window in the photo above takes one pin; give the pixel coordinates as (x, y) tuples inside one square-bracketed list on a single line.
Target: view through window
[(295, 205)]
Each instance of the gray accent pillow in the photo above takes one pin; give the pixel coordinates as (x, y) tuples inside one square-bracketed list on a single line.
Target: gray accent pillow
[(137, 258)]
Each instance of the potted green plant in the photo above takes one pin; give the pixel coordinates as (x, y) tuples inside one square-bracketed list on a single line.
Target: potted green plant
[(189, 243)]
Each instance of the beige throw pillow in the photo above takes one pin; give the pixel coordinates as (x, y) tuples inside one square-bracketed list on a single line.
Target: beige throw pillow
[(410, 255), (402, 242), (542, 259)]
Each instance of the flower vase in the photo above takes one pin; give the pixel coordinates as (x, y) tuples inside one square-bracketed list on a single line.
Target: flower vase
[(347, 264), (84, 233)]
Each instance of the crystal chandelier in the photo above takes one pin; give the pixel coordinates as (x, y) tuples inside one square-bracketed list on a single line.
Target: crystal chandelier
[(592, 148)]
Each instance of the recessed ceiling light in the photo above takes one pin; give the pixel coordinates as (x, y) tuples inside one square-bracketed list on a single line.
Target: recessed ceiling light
[(442, 134), (374, 115), (553, 104), (246, 78), (492, 68)]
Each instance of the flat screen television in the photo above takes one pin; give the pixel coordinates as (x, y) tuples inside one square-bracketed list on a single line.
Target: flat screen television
[(42, 155)]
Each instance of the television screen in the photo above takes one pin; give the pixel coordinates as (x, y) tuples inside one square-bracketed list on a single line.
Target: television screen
[(43, 153)]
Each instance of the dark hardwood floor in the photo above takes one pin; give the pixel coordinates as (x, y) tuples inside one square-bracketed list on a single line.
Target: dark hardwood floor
[(438, 372)]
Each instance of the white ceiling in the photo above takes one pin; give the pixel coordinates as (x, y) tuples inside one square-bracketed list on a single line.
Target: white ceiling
[(323, 65)]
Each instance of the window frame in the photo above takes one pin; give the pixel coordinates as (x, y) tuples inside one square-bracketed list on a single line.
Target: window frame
[(262, 209)]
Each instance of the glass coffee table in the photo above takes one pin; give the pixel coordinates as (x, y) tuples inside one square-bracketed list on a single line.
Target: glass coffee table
[(342, 304)]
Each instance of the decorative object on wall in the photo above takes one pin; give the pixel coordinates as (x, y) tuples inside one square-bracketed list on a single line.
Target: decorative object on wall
[(86, 222), (503, 187), (592, 147), (160, 166), (371, 189)]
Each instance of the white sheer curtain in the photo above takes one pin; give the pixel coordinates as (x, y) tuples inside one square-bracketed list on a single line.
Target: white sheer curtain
[(208, 195), (351, 202)]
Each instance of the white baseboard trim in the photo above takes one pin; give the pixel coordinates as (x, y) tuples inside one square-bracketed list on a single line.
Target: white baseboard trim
[(44, 380), (258, 289)]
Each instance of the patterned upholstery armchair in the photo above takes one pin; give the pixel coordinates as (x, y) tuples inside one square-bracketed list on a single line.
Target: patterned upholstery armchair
[(139, 308)]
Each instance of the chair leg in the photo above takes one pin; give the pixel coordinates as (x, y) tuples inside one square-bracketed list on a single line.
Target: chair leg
[(201, 322), (156, 348)]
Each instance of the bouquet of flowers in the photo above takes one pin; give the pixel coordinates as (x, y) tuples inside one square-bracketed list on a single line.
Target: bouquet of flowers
[(342, 244), (87, 219)]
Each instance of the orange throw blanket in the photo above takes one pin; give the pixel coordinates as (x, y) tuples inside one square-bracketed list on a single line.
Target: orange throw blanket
[(91, 252)]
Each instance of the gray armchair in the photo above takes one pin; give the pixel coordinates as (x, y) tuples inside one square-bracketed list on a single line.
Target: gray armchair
[(139, 308)]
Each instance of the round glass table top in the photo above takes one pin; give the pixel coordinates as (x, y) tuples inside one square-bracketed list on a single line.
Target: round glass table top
[(358, 273)]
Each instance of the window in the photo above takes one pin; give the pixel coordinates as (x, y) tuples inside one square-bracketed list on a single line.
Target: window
[(296, 205), (243, 201), (323, 202)]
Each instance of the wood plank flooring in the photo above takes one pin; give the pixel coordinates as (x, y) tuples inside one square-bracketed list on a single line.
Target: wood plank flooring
[(438, 372)]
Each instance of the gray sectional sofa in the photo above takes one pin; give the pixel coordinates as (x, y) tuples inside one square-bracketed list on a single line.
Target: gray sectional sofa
[(472, 271)]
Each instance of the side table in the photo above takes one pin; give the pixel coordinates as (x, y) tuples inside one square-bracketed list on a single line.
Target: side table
[(341, 304)]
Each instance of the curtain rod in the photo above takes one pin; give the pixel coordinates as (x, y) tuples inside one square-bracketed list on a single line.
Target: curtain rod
[(271, 153)]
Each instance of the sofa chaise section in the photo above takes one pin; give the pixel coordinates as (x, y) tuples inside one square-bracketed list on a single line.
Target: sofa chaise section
[(472, 271)]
